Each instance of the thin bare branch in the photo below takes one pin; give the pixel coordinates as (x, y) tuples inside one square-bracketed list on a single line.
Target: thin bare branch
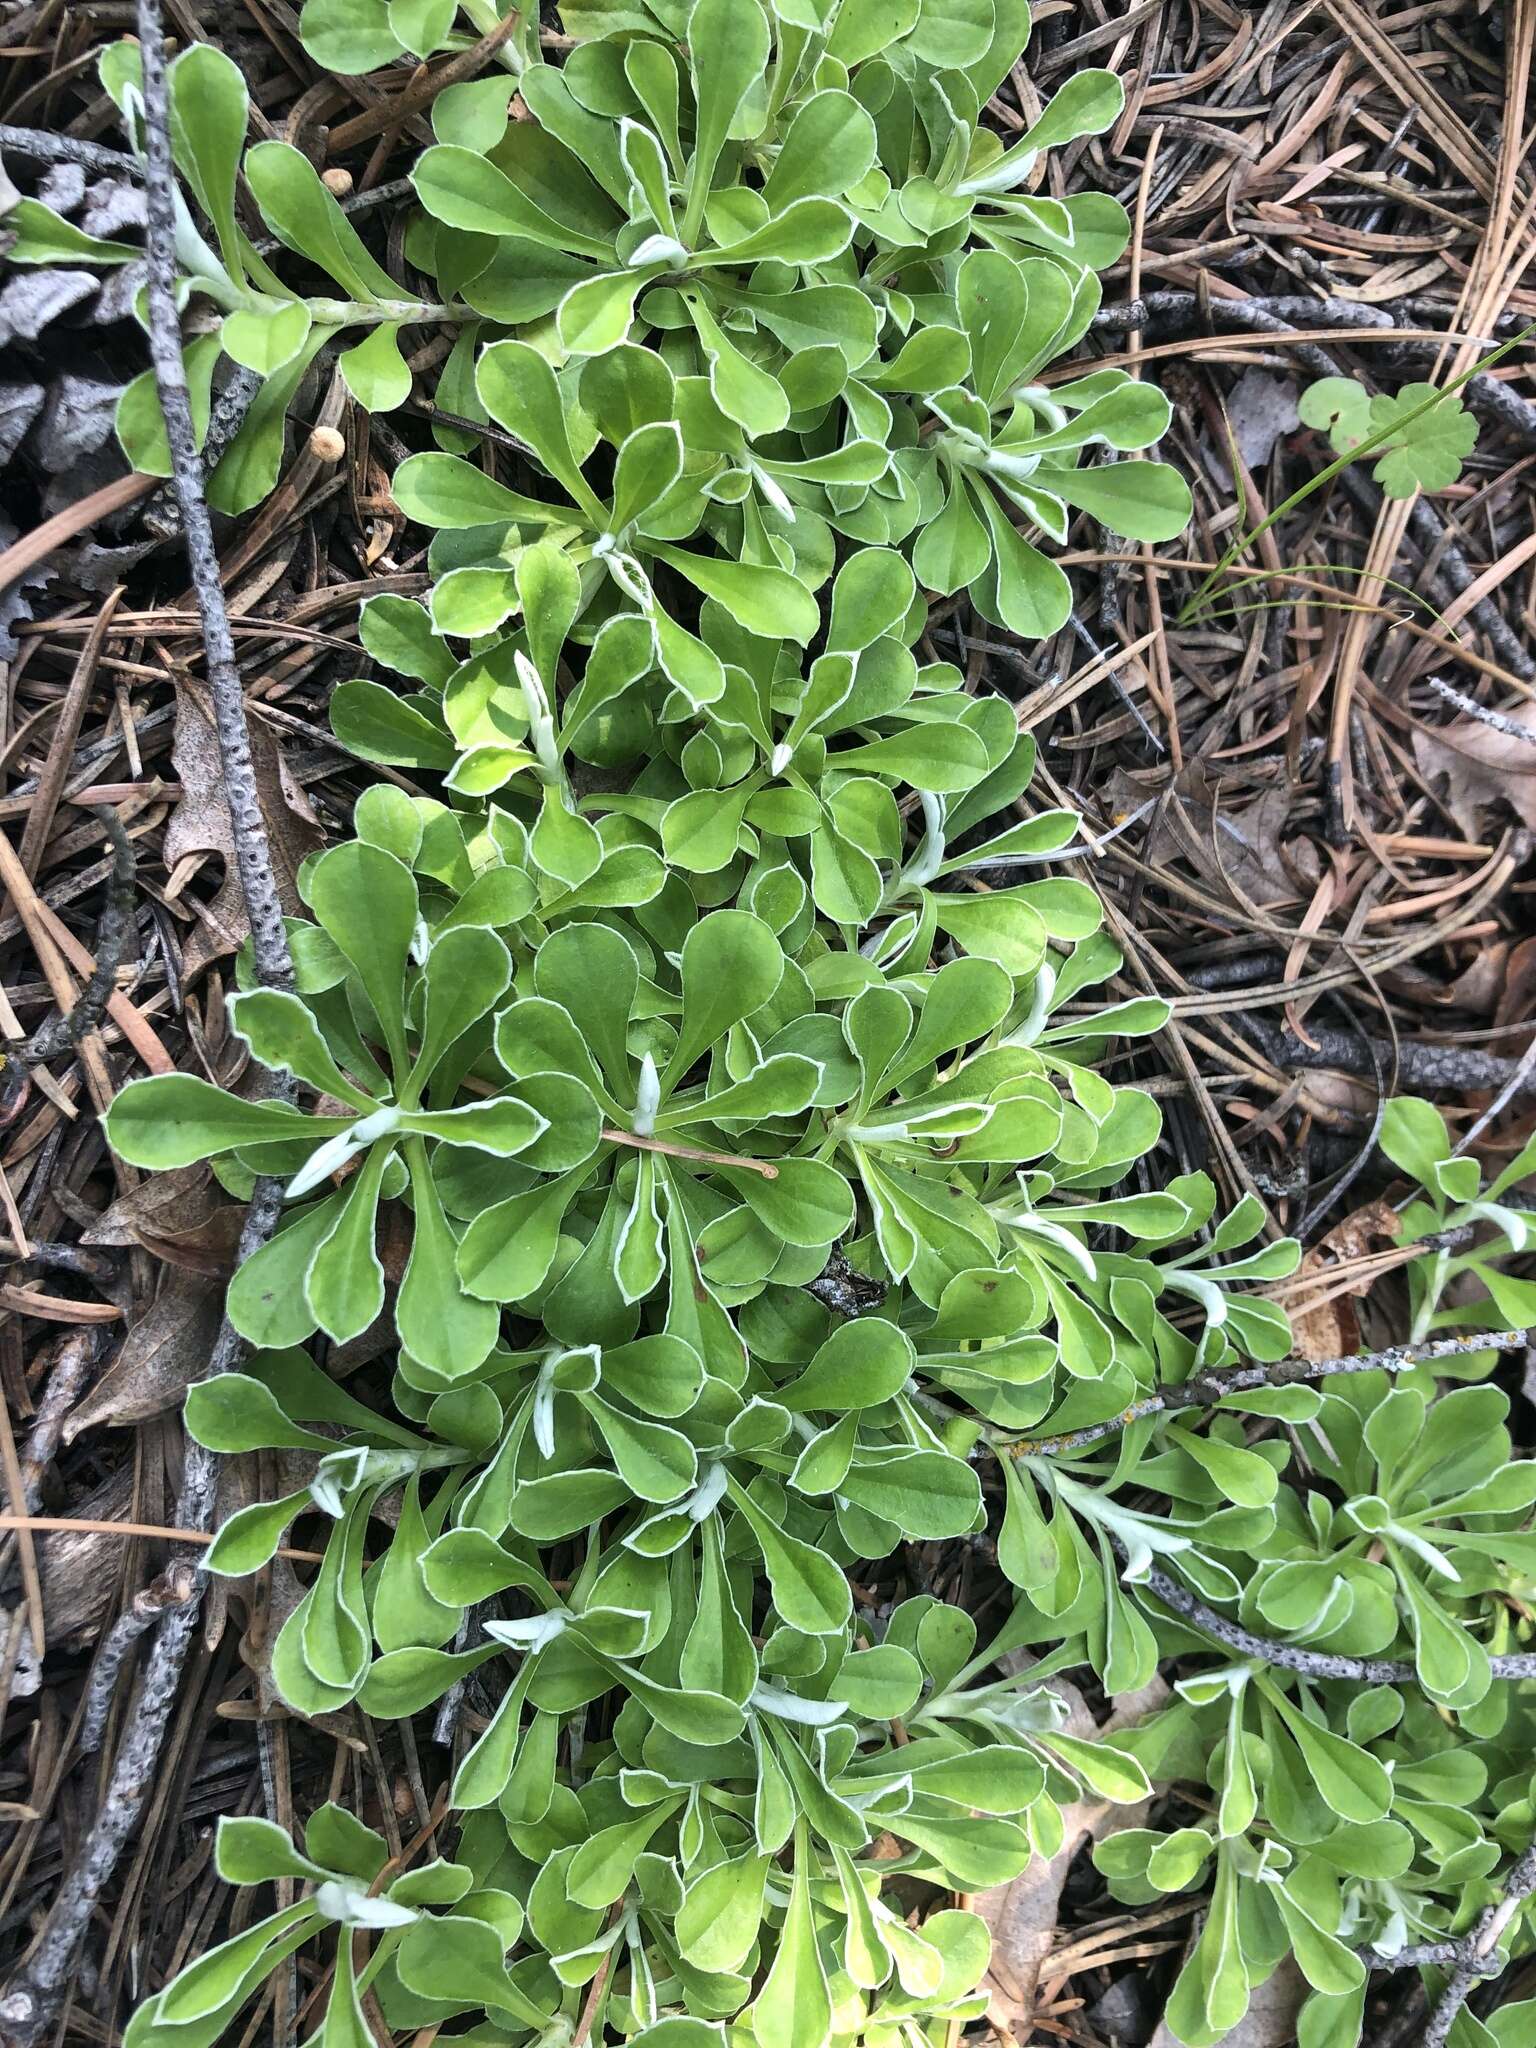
[(1287, 1656), (1477, 1952), (1207, 1388)]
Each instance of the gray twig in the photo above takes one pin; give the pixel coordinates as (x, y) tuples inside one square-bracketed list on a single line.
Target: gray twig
[(162, 510), (1287, 1656), (113, 927), (1207, 1388), (1499, 720), (253, 856), (172, 1589), (74, 1355), (1421, 1955), (46, 148), (1477, 1950)]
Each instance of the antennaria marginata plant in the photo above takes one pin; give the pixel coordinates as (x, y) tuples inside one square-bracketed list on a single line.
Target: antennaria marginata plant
[(723, 1045)]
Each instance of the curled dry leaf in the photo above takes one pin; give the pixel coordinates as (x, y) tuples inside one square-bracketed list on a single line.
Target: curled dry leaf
[(161, 1355), (1480, 763), (167, 1201), (20, 404), (202, 825), (1481, 984), (15, 598), (1260, 408), (1234, 848), (80, 1567), (1320, 1298), (180, 1217), (76, 421), (208, 1247), (1517, 998)]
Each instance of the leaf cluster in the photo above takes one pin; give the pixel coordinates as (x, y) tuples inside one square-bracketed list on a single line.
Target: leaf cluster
[(730, 947)]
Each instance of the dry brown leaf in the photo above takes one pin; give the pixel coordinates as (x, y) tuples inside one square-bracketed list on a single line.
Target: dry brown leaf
[(1480, 985), (1325, 1090), (80, 1571), (1518, 997), (1232, 844), (180, 1217), (80, 1567), (1023, 1915), (176, 1200), (1259, 409), (201, 824), (1331, 1329), (208, 1247), (1479, 764), (160, 1357)]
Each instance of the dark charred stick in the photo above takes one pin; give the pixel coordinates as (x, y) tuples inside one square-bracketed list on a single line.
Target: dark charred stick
[(99, 1267), (1243, 970), (1422, 1955), (57, 1033), (1429, 1069)]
